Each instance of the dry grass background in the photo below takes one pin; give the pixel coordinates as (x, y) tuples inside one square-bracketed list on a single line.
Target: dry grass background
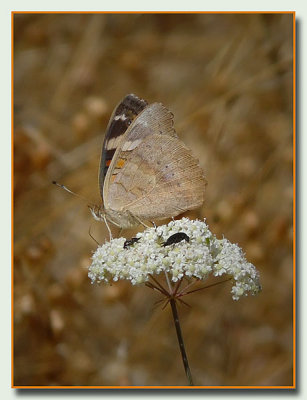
[(228, 81)]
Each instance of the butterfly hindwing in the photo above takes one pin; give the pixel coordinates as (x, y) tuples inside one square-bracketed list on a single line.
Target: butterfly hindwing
[(159, 179)]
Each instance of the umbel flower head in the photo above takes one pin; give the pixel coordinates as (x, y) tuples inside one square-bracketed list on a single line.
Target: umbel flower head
[(182, 248)]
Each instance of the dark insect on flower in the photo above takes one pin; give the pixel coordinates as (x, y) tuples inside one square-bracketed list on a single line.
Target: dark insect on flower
[(130, 242), (176, 238)]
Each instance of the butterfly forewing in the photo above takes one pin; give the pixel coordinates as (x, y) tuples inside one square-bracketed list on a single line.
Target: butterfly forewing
[(154, 119), (122, 116)]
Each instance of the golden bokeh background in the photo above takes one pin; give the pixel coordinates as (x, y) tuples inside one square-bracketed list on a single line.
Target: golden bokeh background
[(228, 80)]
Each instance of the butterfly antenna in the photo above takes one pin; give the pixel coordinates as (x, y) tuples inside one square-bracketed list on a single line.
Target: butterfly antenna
[(71, 192)]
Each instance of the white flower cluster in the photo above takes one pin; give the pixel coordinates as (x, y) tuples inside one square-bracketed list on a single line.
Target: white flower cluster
[(197, 255)]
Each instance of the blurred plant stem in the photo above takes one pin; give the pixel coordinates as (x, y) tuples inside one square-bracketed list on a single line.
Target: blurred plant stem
[(172, 295), (172, 302)]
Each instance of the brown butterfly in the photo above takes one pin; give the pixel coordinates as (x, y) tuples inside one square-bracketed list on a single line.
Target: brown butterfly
[(146, 172)]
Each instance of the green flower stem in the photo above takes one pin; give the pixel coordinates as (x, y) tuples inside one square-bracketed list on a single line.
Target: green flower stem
[(180, 341)]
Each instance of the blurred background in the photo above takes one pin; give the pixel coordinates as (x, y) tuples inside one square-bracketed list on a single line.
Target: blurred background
[(228, 80)]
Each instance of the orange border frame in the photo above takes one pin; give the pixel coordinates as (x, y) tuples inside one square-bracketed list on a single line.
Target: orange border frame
[(294, 201)]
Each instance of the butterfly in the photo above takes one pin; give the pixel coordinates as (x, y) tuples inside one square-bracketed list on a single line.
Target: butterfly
[(146, 172)]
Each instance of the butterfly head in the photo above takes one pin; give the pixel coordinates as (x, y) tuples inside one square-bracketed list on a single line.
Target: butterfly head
[(97, 212)]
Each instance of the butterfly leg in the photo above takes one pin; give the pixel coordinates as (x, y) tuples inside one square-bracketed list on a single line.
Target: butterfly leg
[(89, 232), (154, 225), (140, 221), (107, 225)]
